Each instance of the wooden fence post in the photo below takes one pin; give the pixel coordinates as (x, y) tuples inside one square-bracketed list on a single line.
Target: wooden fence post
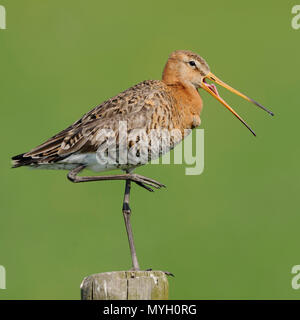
[(125, 285)]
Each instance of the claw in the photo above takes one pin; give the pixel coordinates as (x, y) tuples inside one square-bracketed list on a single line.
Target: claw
[(165, 272), (154, 182), (145, 182), (144, 186), (169, 273)]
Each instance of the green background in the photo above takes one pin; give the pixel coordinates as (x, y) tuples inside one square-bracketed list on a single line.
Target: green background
[(232, 232)]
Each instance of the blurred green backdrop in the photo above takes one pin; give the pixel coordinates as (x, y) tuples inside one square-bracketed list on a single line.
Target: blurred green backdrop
[(232, 232)]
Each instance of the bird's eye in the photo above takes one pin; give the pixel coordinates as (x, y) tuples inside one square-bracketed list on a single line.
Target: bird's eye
[(192, 63)]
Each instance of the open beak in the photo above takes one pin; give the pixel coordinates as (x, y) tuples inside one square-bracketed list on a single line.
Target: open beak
[(214, 92)]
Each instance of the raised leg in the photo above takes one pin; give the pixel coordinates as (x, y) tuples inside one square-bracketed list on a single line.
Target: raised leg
[(126, 214), (142, 181)]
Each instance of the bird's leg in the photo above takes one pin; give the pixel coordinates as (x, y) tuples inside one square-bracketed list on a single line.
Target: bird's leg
[(126, 214), (140, 180)]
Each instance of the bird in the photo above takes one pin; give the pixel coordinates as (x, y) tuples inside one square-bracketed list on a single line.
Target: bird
[(172, 103)]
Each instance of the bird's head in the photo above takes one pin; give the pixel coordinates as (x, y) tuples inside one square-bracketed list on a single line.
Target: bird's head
[(191, 70), (186, 67)]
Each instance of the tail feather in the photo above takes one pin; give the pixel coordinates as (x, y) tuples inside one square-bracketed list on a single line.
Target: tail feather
[(42, 154), (20, 160)]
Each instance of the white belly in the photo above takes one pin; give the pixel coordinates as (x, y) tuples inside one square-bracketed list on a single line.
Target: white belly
[(90, 160)]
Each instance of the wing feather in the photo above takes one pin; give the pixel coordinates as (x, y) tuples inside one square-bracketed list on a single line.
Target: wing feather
[(135, 105)]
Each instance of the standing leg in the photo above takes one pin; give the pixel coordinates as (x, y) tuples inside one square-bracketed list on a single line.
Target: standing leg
[(126, 214), (142, 181)]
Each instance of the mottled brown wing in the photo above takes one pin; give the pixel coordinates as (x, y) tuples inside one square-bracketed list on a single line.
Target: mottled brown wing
[(138, 105)]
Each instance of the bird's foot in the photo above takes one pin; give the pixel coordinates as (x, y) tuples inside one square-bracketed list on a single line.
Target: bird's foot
[(165, 272), (145, 182)]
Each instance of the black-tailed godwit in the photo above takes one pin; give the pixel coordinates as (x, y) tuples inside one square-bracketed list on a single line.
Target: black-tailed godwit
[(172, 103)]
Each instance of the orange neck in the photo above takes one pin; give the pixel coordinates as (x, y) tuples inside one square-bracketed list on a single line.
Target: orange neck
[(187, 96)]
